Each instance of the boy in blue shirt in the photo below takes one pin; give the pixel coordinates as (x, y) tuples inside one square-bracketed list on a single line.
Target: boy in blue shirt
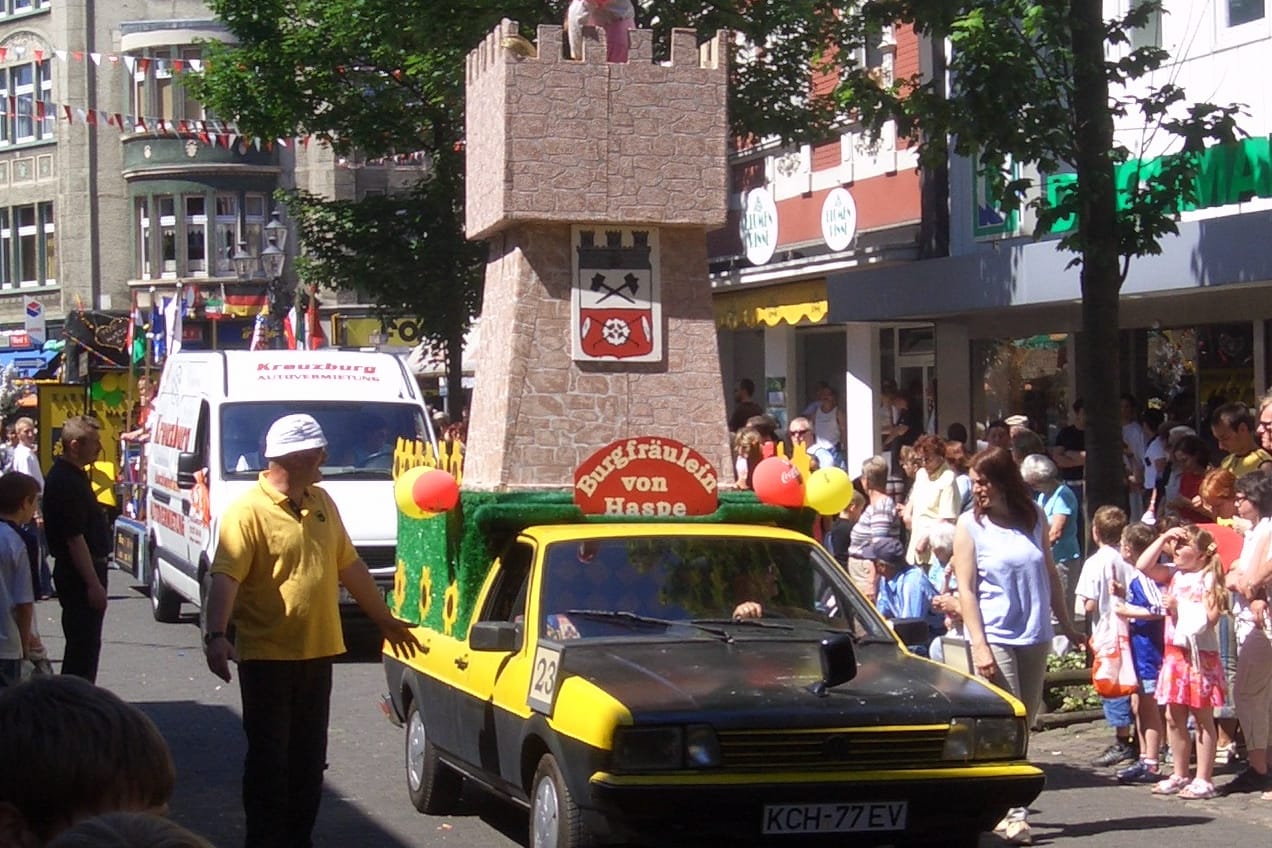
[(1146, 621)]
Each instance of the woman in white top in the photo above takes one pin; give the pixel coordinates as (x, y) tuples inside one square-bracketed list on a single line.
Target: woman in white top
[(829, 423)]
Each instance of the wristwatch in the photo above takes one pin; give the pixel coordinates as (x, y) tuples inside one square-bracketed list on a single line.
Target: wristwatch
[(209, 638)]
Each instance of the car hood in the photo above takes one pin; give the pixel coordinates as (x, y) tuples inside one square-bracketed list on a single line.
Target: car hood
[(738, 684)]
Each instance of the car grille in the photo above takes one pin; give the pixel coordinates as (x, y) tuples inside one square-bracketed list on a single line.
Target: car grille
[(378, 557), (838, 748)]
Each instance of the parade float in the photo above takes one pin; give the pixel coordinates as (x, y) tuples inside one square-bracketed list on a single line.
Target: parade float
[(611, 634)]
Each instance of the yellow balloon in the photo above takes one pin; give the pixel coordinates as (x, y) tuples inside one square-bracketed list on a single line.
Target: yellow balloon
[(828, 491), (110, 382), (403, 492)]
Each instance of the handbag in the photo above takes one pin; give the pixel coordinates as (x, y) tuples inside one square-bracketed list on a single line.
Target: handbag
[(1112, 672)]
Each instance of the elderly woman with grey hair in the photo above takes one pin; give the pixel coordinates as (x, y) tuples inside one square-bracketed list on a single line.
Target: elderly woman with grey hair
[(1063, 511)]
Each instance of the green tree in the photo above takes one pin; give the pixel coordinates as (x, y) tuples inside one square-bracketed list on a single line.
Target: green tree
[(385, 76), (1041, 84)]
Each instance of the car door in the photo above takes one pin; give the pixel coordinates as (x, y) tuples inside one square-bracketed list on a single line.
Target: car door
[(493, 710)]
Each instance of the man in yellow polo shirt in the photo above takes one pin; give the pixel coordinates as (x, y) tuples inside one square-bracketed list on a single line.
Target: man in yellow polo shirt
[(281, 557)]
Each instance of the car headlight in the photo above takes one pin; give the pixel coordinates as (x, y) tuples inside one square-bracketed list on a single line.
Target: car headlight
[(985, 739), (702, 748), (648, 748)]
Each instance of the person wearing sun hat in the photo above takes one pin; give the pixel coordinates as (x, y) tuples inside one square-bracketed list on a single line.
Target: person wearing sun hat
[(282, 555)]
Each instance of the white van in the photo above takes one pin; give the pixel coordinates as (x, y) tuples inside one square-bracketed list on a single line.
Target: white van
[(208, 430)]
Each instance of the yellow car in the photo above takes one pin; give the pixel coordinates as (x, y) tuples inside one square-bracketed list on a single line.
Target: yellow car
[(658, 683)]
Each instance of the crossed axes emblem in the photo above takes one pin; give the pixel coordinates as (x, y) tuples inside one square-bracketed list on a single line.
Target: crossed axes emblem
[(626, 289)]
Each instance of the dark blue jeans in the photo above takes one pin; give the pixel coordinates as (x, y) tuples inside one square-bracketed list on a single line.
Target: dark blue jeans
[(286, 704)]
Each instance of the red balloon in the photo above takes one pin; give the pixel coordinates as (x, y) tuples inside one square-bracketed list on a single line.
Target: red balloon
[(435, 491), (778, 483)]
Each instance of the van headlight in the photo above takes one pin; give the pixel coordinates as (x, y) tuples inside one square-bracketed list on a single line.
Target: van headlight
[(665, 748), (973, 739)]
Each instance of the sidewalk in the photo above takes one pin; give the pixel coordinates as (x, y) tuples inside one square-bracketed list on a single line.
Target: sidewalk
[(1066, 752)]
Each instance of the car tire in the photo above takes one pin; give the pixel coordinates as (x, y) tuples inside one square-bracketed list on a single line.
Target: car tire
[(165, 604), (555, 820), (434, 788)]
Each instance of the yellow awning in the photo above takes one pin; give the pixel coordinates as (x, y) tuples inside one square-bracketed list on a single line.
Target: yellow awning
[(794, 303)]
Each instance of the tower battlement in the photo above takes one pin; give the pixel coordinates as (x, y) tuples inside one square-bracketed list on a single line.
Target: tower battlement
[(587, 141)]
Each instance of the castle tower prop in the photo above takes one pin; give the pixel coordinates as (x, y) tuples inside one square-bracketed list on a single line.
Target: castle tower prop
[(595, 185)]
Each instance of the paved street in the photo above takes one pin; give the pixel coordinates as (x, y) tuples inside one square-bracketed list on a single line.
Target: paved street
[(160, 668)]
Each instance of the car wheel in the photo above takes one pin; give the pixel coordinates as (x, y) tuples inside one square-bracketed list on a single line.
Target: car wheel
[(555, 820), (165, 604), (434, 788)]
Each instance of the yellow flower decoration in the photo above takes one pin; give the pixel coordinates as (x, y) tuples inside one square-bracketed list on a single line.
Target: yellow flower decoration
[(450, 608), (426, 592), (399, 587)]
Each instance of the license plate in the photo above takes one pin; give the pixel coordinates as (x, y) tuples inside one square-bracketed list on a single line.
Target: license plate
[(833, 818)]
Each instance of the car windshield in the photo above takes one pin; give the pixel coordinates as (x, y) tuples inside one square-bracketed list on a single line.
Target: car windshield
[(360, 436), (651, 585)]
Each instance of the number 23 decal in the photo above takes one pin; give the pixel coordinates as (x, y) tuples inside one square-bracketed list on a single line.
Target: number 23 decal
[(543, 678)]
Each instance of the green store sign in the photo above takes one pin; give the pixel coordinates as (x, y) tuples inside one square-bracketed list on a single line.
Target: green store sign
[(1226, 174)]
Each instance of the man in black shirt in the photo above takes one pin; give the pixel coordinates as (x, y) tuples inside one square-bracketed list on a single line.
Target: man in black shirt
[(746, 407), (79, 540)]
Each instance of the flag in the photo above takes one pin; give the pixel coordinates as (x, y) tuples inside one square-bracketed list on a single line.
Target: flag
[(173, 309), (289, 328), (260, 330), (314, 336), (158, 338)]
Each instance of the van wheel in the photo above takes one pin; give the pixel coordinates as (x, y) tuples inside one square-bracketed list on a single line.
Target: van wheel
[(555, 820), (165, 604), (434, 788)]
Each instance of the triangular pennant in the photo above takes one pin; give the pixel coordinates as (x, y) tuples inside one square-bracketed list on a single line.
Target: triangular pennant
[(19, 51), (117, 120), (61, 54), (67, 110), (4, 54), (39, 55), (130, 63), (304, 141), (82, 115), (196, 65), (141, 122), (113, 58), (90, 117), (143, 63), (178, 65), (282, 142), (96, 57)]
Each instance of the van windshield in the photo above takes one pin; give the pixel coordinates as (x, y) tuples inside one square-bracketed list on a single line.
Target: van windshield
[(360, 436)]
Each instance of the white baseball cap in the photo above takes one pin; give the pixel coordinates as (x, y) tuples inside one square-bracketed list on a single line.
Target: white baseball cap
[(292, 434)]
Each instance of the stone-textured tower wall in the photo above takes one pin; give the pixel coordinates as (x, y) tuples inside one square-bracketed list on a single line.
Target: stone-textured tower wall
[(552, 143), (552, 139)]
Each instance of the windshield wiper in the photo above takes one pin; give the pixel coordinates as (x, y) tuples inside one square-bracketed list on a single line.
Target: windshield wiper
[(625, 615), (746, 622)]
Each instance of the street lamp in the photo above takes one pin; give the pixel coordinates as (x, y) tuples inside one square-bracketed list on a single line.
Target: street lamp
[(270, 263)]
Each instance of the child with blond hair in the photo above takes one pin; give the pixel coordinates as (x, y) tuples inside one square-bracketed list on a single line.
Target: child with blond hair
[(1191, 682)]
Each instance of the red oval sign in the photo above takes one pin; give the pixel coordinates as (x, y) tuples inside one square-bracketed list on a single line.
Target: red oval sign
[(646, 477)]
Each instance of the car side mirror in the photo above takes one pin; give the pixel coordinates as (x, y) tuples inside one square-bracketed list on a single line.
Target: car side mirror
[(913, 632), (187, 465), (838, 664), (497, 636)]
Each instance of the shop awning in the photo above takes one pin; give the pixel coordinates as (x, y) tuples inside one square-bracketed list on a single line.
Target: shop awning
[(28, 363), (793, 303)]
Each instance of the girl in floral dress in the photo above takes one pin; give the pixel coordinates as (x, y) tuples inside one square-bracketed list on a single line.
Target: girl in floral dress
[(1192, 678)]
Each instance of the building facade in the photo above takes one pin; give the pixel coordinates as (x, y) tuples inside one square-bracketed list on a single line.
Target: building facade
[(118, 186), (992, 329)]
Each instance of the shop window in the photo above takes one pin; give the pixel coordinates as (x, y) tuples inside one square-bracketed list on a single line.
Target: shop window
[(22, 118), (1244, 11), (180, 235), (23, 7), (143, 237), (196, 231), (28, 246), (1026, 376), (157, 90)]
